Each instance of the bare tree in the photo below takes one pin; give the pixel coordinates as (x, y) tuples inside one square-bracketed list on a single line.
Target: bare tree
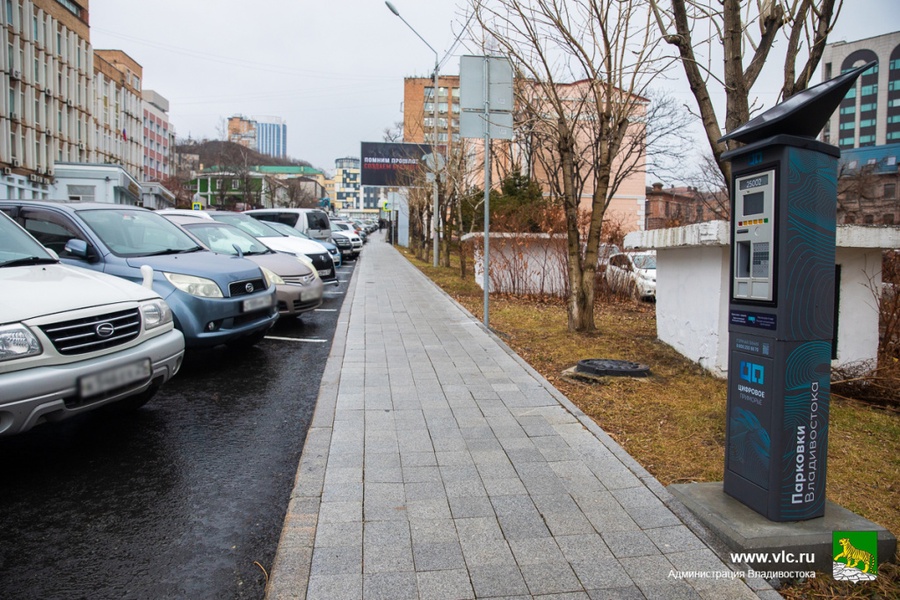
[(731, 22), (299, 194), (583, 70), (394, 133)]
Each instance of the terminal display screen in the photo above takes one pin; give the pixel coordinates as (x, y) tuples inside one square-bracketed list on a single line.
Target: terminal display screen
[(754, 204), (753, 182)]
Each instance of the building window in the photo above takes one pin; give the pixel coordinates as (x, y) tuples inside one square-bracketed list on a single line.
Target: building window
[(888, 219), (869, 90), (890, 191), (429, 92)]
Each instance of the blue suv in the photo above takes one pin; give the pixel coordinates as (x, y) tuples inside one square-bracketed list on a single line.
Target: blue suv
[(215, 299)]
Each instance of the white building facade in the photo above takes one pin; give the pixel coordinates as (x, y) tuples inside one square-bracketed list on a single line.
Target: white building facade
[(45, 107)]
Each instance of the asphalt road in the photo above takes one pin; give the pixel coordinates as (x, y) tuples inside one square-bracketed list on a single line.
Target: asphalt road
[(182, 499)]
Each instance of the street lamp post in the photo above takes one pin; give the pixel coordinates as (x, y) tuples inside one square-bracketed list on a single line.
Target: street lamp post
[(435, 219)]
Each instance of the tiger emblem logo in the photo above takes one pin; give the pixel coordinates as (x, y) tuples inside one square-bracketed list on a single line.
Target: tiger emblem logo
[(854, 555)]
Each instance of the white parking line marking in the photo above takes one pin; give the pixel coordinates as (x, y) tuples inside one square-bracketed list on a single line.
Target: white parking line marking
[(326, 310), (288, 339)]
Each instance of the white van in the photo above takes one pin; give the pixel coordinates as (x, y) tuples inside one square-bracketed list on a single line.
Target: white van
[(311, 221)]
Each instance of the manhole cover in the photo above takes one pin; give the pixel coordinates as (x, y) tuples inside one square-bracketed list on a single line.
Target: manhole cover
[(606, 367)]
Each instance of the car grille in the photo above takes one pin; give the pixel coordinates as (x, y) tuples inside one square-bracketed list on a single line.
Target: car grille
[(300, 280), (322, 261), (90, 334), (239, 288)]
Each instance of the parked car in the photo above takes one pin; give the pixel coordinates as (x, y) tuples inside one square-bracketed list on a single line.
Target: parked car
[(298, 287), (349, 251), (349, 231), (275, 240), (74, 340), (604, 251), (633, 273), (214, 299), (311, 221), (351, 226), (333, 250)]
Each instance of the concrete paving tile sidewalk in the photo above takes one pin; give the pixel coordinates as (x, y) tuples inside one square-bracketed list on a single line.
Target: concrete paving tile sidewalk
[(439, 465)]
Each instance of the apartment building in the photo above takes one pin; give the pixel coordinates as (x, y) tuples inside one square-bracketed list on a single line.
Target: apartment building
[(626, 209), (419, 100), (242, 130), (158, 137), (45, 112), (869, 115), (118, 112), (346, 184)]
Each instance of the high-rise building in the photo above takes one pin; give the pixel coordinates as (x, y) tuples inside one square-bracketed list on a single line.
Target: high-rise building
[(869, 115), (45, 110), (271, 136), (158, 138), (266, 135)]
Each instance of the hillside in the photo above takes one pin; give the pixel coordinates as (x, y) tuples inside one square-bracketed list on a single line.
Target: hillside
[(221, 153)]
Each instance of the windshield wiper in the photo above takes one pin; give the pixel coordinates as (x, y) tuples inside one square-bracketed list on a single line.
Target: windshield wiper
[(173, 251), (29, 260)]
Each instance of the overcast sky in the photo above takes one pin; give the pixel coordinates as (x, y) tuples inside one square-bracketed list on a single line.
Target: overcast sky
[(332, 69)]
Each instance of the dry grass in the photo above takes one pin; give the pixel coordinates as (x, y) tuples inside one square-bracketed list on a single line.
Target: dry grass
[(673, 423)]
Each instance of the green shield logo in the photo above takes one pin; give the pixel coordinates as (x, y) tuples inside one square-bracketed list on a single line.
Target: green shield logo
[(855, 555)]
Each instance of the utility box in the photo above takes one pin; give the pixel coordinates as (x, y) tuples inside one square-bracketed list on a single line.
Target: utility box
[(782, 305)]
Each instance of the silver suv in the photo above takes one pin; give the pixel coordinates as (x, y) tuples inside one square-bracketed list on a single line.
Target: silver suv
[(73, 340)]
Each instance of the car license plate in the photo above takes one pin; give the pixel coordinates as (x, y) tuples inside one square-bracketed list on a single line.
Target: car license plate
[(307, 296), (257, 303), (324, 272), (98, 383)]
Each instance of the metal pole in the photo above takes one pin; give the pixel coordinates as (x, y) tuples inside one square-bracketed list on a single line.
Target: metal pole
[(487, 192), (435, 208)]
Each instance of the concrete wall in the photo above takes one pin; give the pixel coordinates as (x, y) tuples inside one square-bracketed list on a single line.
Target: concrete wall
[(692, 304), (692, 290), (522, 263)]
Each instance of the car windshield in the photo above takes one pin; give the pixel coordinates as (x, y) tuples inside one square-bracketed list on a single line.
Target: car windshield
[(137, 232), (247, 224), (222, 238), (316, 219), (285, 229), (644, 261), (17, 247)]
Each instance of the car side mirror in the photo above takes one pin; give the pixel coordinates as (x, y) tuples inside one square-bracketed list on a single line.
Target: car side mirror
[(77, 248)]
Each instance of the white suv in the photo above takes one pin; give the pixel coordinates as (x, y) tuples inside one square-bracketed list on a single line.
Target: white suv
[(73, 340)]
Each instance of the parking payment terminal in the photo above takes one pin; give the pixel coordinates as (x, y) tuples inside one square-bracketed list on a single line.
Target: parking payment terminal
[(781, 305), (754, 236)]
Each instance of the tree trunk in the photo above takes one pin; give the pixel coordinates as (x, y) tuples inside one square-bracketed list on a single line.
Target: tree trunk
[(580, 305)]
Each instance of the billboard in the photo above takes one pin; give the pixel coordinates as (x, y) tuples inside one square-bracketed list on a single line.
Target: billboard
[(389, 164)]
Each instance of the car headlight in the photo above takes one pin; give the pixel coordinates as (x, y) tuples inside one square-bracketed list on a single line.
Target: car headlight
[(17, 341), (306, 261), (155, 313), (195, 286), (272, 278)]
